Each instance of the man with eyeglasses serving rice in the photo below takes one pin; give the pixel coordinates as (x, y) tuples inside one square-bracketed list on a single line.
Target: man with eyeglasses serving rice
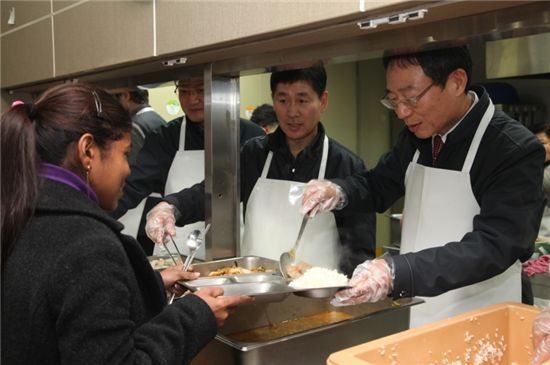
[(471, 213)]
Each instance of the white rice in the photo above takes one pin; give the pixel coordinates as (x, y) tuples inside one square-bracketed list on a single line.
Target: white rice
[(319, 277)]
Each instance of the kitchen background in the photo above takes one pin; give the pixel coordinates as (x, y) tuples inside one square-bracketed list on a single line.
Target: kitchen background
[(118, 43)]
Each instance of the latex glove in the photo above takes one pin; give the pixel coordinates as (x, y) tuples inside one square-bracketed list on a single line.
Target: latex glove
[(371, 281), (322, 196), (541, 336), (161, 222), (220, 305)]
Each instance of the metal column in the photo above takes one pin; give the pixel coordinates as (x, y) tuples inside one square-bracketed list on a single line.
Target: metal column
[(222, 187)]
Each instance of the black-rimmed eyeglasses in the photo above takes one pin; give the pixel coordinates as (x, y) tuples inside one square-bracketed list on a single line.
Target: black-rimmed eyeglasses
[(408, 102)]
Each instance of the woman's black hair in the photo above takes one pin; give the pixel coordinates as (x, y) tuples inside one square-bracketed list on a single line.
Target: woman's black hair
[(44, 132)]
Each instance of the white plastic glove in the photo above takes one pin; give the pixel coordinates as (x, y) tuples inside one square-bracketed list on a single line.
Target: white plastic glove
[(371, 281), (322, 196), (161, 222), (541, 336)]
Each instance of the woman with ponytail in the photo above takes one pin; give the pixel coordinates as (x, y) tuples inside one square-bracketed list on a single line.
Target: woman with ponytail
[(74, 289)]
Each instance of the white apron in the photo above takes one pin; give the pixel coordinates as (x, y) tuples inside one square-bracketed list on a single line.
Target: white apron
[(132, 217), (273, 221), (439, 208), (186, 170)]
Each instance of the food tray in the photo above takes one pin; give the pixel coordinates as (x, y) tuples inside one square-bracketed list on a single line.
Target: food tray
[(319, 293), (264, 287), (500, 333)]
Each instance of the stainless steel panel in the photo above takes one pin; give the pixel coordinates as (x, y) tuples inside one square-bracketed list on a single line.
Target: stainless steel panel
[(521, 56), (221, 103), (368, 322)]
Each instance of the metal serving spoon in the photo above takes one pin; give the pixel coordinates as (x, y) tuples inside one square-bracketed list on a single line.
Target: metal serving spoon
[(287, 258), (194, 241)]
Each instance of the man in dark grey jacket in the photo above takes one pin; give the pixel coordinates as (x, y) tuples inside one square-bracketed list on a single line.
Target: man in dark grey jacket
[(471, 212)]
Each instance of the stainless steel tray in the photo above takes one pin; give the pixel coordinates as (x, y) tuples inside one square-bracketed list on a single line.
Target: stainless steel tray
[(264, 287), (319, 293)]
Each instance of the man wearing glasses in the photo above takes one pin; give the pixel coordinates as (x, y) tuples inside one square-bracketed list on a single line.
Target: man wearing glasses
[(471, 177), (172, 159)]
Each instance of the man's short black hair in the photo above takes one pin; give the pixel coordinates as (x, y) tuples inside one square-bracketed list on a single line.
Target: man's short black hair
[(540, 127), (139, 96), (315, 76), (264, 115), (437, 63)]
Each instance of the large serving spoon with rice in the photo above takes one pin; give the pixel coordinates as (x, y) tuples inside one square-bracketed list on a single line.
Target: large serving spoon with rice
[(287, 258)]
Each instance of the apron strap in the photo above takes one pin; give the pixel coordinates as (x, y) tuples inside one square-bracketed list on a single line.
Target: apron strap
[(267, 164), (322, 168), (324, 159), (144, 110), (415, 156), (182, 134), (485, 120)]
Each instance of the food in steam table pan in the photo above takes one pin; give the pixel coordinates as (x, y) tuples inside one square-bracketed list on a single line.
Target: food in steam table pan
[(162, 263), (237, 270), (290, 327)]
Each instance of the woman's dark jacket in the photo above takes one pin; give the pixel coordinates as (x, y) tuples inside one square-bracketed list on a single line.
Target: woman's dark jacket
[(77, 291)]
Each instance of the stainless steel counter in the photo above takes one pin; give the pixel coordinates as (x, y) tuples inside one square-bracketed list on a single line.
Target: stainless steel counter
[(366, 322)]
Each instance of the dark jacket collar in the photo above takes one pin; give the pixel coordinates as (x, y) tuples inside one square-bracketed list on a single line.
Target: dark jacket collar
[(75, 202), (466, 128), (277, 143)]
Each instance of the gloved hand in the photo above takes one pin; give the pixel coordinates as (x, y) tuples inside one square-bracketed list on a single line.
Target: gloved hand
[(322, 196), (161, 222), (371, 281), (541, 336)]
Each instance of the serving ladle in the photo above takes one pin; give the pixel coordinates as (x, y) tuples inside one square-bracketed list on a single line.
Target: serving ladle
[(287, 258), (194, 241)]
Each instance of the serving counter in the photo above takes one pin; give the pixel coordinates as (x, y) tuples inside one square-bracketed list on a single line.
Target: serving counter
[(301, 331)]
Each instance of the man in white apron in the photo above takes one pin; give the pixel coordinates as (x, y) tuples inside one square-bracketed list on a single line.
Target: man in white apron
[(274, 170), (473, 203), (171, 159), (144, 118)]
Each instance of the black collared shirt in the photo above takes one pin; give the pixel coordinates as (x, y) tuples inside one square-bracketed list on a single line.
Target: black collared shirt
[(357, 232)]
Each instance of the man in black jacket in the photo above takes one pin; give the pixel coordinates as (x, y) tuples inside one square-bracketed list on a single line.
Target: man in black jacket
[(274, 169), (166, 161), (145, 120), (472, 211)]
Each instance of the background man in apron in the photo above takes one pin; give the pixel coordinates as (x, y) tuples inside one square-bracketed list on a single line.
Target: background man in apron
[(471, 211), (171, 159), (274, 170), (145, 119)]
